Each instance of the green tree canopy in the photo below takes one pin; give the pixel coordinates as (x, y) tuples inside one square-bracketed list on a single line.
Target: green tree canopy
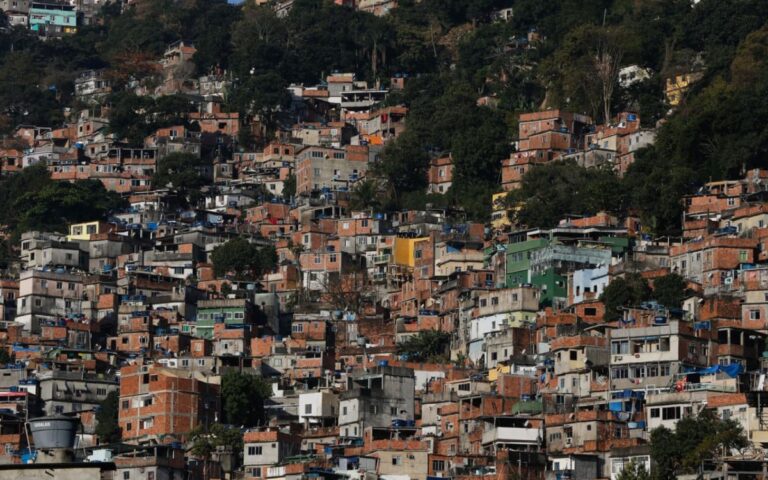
[(242, 397), (670, 290), (431, 345), (695, 438), (107, 426), (39, 203), (550, 192), (243, 258), (628, 291), (634, 470), (183, 172)]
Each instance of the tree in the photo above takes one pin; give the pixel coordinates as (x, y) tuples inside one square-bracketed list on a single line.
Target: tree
[(365, 195), (695, 439), (24, 96), (243, 258), (289, 187), (624, 292), (205, 442), (129, 116), (242, 397), (5, 357), (430, 345), (634, 470), (107, 427), (404, 165), (669, 290), (607, 55), (554, 190), (182, 171), (57, 204)]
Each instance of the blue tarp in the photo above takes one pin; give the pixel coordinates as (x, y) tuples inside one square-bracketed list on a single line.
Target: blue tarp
[(616, 406), (731, 370)]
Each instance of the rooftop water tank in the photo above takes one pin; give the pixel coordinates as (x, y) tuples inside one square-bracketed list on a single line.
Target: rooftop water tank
[(54, 432)]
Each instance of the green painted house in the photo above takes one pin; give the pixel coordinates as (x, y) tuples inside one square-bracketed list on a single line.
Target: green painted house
[(230, 311), (519, 260)]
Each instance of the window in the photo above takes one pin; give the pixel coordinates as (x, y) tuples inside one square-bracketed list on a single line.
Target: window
[(438, 465), (590, 311), (374, 409), (620, 372), (494, 300), (396, 460), (125, 405), (620, 347), (253, 450), (297, 328), (126, 475), (670, 413), (654, 413), (344, 410), (101, 391), (59, 285), (308, 409), (128, 427), (754, 314)]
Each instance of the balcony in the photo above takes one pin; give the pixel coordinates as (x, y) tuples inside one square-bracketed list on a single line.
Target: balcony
[(378, 259), (511, 435), (379, 277)]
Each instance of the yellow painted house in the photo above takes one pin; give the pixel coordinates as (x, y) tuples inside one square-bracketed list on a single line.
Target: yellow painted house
[(679, 84), (500, 211), (493, 373), (83, 231), (405, 250)]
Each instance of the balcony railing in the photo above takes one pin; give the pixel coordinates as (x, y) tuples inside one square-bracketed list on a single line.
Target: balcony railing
[(382, 258)]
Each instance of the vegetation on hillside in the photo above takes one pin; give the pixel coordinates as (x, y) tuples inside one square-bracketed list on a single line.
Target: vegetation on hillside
[(453, 54)]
